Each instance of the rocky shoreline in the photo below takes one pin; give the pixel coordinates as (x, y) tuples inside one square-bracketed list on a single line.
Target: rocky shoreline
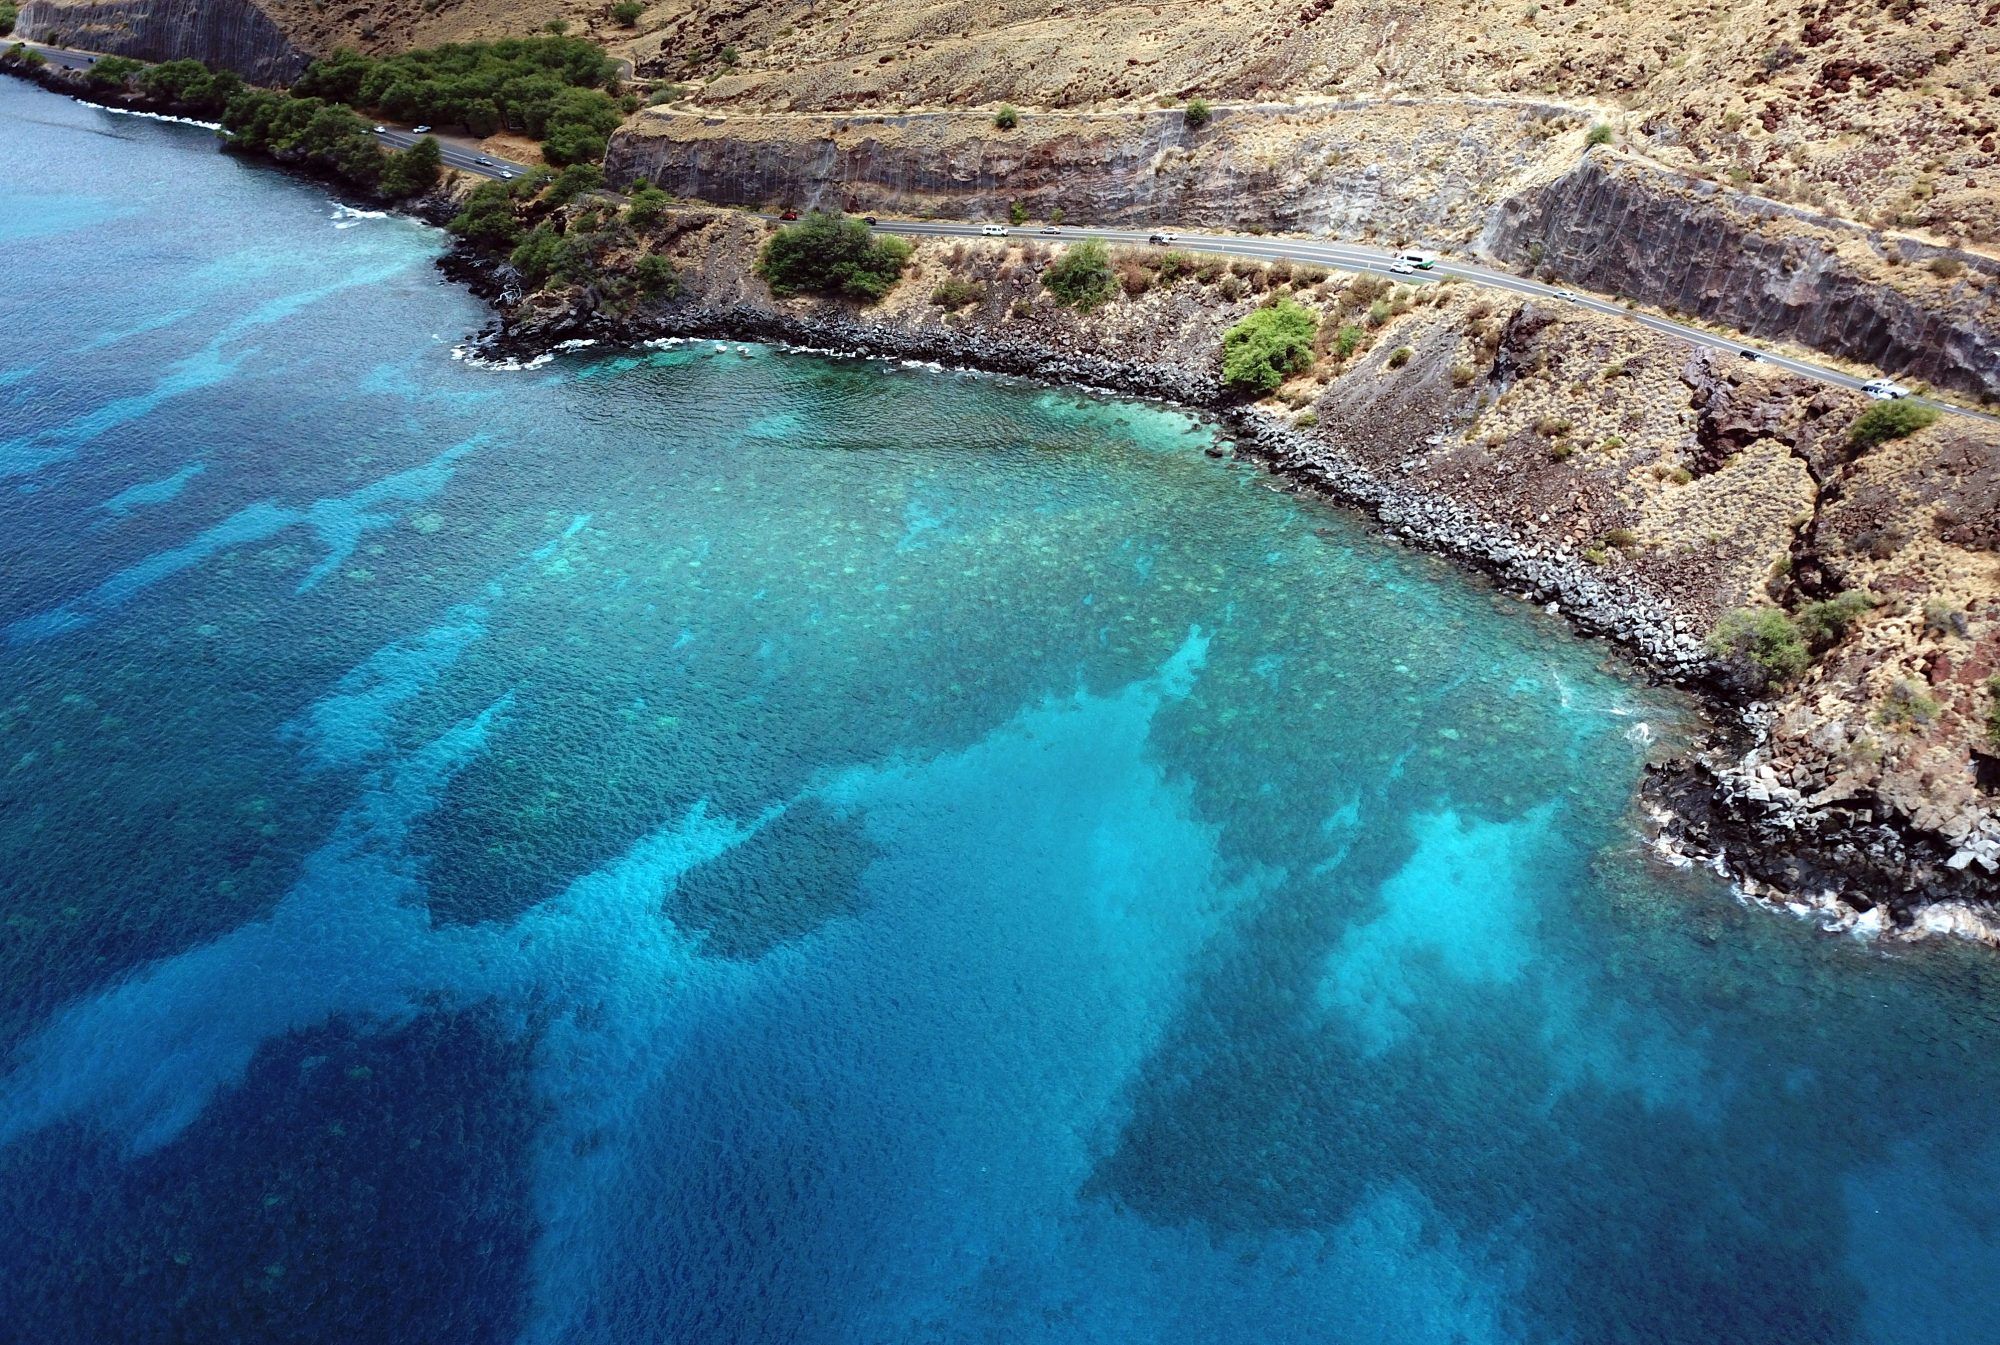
[(1853, 869), (1855, 864)]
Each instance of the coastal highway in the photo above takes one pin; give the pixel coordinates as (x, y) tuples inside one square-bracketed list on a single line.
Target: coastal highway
[(1353, 257), (465, 156)]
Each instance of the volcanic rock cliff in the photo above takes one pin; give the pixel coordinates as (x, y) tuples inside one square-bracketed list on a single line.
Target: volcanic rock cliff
[(1759, 266), (233, 34)]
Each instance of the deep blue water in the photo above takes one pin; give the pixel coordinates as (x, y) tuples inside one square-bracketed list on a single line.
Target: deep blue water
[(714, 846)]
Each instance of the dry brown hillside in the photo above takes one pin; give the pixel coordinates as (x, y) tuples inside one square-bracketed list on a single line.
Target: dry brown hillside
[(1885, 111)]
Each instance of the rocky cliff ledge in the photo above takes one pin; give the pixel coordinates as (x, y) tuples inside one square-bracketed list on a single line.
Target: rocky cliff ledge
[(1763, 267), (226, 34), (1643, 485), (1413, 169)]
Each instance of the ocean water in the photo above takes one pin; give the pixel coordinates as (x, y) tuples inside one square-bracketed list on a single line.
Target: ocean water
[(730, 845)]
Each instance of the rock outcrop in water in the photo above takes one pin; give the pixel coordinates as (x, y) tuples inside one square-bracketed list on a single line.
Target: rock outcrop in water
[(1763, 267), (229, 34)]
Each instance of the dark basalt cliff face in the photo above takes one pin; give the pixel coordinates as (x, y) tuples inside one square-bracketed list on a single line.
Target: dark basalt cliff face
[(234, 34), (1761, 267), (1317, 169)]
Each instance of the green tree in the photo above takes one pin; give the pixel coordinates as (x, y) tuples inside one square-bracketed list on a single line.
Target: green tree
[(573, 182), (627, 12), (1890, 420), (648, 203), (656, 276), (9, 12), (114, 71), (1268, 346), (1197, 113), (1082, 276), (414, 171), (487, 218), (831, 254)]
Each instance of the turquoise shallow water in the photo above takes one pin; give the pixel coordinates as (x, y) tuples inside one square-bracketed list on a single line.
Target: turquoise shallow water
[(736, 846)]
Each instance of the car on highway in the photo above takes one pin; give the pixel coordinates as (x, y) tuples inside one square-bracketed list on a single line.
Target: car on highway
[(1568, 296), (509, 174), (1161, 239), (869, 220), (1051, 229), (420, 129), (993, 230), (1748, 355), (381, 130), (1884, 390), (1422, 261), (789, 214), (1401, 268), (484, 162)]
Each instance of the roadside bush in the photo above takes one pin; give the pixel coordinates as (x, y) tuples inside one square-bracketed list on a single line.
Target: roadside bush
[(545, 255), (1762, 642), (627, 13), (572, 182), (1017, 214), (557, 89), (831, 254), (1267, 346), (304, 131), (190, 85), (1081, 277), (1173, 264), (1347, 340), (1600, 134), (487, 218), (1890, 420), (414, 171), (1378, 313), (954, 293), (1197, 113), (114, 71), (648, 204), (9, 13), (1006, 119)]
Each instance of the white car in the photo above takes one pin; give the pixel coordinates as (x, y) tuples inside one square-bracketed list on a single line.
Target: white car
[(1882, 390), (1569, 296), (1401, 268), (420, 129), (993, 230), (1051, 229), (381, 130)]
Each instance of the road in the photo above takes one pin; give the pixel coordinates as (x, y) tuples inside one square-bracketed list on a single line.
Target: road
[(1353, 257), (465, 156)]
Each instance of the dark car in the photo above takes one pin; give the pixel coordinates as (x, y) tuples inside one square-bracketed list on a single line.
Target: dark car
[(789, 214), (1156, 238), (868, 219), (1749, 354)]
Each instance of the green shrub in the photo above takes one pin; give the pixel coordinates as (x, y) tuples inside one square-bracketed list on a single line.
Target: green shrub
[(1600, 134), (656, 275), (1082, 276), (1890, 420), (954, 293), (9, 12), (557, 89), (1347, 340), (1762, 641), (572, 182), (414, 171), (831, 254), (190, 86), (1305, 420), (1400, 356), (546, 255), (1173, 264), (1908, 706), (1267, 346), (304, 131), (1826, 622), (1621, 538), (114, 71), (1017, 213), (1006, 119), (627, 13), (487, 218), (1378, 313), (1197, 113), (648, 203), (1462, 375)]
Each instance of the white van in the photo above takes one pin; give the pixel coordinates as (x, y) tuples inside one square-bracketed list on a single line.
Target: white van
[(1423, 261), (1882, 390), (993, 230)]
